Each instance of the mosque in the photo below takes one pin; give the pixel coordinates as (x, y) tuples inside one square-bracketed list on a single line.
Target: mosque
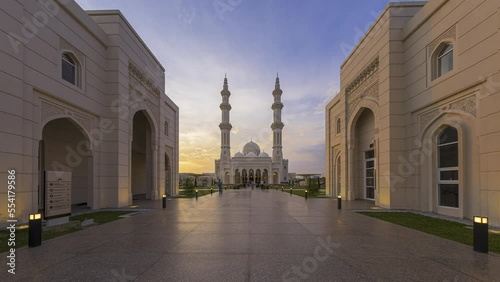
[(251, 165)]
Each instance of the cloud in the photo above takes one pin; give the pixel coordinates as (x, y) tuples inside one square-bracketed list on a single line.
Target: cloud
[(253, 41)]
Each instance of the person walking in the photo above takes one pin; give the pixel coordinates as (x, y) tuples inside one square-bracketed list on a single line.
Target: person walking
[(220, 186)]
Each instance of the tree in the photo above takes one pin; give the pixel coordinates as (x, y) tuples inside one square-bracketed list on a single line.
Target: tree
[(188, 186), (313, 189)]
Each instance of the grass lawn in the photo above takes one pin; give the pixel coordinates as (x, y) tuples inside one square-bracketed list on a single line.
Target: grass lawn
[(302, 193), (56, 231), (443, 228), (201, 192)]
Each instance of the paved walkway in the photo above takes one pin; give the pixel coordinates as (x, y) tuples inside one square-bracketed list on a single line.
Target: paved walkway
[(247, 235)]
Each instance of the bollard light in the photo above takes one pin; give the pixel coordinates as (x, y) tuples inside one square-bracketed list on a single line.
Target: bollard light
[(164, 201), (211, 191), (196, 194), (290, 191), (339, 202), (306, 193), (35, 230), (480, 231), (281, 189)]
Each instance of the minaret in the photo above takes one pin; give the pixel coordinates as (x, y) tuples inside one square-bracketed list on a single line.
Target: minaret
[(225, 126), (277, 125)]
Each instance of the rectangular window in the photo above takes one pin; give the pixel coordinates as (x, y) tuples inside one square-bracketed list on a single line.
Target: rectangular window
[(68, 72), (448, 195), (448, 156), (370, 154)]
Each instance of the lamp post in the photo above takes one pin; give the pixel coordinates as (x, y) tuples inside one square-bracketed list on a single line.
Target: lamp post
[(339, 202), (290, 191), (306, 193), (164, 201), (196, 194), (211, 191), (480, 234), (35, 230)]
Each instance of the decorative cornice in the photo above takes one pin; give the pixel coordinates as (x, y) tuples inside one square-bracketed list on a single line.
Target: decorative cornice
[(50, 111), (137, 73), (366, 73), (427, 117), (466, 105), (451, 33), (371, 91)]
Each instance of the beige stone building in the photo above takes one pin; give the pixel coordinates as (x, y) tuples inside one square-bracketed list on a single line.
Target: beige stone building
[(416, 124), (81, 92)]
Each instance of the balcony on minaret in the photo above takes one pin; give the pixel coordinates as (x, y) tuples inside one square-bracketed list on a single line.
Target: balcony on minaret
[(225, 106), (277, 125), (277, 105), (225, 126)]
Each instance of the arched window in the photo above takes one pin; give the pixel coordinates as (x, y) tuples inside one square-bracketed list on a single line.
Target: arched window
[(70, 69), (444, 60), (338, 126), (448, 164), (166, 128)]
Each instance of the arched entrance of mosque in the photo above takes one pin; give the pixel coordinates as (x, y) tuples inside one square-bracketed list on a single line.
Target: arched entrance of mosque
[(227, 178), (65, 146), (265, 176), (142, 159), (258, 176), (251, 176), (244, 176), (364, 156), (237, 176), (275, 178), (168, 176)]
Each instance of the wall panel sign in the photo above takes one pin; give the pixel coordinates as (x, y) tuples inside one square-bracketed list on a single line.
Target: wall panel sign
[(57, 194)]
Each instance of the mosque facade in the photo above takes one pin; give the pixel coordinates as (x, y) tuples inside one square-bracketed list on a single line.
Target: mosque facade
[(251, 165)]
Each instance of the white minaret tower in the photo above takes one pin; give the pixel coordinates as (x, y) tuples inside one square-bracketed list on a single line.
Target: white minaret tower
[(225, 126), (277, 125)]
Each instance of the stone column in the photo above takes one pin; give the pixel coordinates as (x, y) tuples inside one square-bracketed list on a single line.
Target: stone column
[(154, 174), (131, 141), (350, 172)]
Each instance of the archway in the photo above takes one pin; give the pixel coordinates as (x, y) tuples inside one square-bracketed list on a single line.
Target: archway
[(227, 178), (364, 159), (265, 176), (168, 176), (237, 177), (244, 176), (258, 176), (142, 163), (251, 175), (66, 147), (275, 178)]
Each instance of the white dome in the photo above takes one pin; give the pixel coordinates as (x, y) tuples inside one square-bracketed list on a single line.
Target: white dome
[(238, 155), (250, 155), (263, 155), (251, 147)]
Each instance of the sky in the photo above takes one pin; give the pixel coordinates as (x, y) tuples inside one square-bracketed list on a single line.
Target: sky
[(199, 41)]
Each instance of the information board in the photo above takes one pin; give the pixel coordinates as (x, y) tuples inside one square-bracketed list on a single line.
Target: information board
[(57, 193)]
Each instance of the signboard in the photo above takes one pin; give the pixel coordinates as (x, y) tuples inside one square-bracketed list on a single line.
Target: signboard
[(57, 194)]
